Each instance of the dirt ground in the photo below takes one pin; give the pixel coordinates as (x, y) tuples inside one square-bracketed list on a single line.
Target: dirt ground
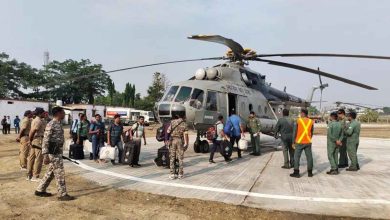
[(103, 202)]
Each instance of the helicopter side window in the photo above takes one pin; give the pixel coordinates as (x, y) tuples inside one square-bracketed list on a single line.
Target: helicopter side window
[(171, 94), (250, 107), (184, 94), (211, 103), (197, 98), (259, 110)]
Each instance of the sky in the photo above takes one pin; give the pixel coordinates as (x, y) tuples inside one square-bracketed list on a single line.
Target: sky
[(125, 33)]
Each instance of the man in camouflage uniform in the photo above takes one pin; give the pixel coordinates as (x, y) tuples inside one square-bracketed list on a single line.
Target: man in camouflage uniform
[(353, 133), (52, 149), (34, 161), (23, 139), (254, 130), (179, 142), (343, 159)]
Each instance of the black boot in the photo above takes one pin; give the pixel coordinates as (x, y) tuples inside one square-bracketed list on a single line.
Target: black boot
[(310, 173), (295, 174)]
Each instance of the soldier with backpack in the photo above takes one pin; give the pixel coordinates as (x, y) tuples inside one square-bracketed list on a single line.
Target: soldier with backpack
[(137, 132), (178, 144)]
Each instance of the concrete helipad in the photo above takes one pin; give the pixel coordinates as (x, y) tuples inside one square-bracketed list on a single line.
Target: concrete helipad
[(260, 182)]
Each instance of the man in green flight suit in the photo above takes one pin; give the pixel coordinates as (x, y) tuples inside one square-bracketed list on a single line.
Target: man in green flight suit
[(254, 129), (343, 159), (334, 141), (284, 126), (353, 133)]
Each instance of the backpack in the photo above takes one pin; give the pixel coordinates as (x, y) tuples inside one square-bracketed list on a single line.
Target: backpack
[(162, 132), (229, 128), (90, 135), (133, 131), (211, 133)]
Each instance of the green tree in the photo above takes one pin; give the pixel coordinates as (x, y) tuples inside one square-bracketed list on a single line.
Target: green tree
[(15, 77), (313, 110), (155, 92), (76, 81), (386, 110), (369, 116), (127, 95)]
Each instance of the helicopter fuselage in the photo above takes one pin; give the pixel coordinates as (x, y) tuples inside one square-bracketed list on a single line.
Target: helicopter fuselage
[(220, 90)]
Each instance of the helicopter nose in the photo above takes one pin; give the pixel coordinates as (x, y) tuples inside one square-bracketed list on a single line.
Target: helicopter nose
[(170, 109)]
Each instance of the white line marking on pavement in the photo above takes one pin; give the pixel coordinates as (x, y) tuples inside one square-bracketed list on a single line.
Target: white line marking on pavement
[(235, 192)]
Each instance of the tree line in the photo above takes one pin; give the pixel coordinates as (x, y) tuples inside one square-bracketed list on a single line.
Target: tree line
[(73, 82)]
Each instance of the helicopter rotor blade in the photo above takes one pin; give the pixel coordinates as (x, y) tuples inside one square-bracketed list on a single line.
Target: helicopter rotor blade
[(164, 63), (323, 55), (233, 45), (129, 68), (317, 72)]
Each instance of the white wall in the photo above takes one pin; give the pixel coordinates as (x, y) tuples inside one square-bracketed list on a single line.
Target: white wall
[(15, 108)]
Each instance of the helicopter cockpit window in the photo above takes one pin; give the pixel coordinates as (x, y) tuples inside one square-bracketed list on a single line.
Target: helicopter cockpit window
[(171, 94), (184, 94), (211, 103), (197, 98)]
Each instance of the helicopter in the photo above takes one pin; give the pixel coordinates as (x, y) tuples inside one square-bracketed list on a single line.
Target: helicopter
[(233, 87)]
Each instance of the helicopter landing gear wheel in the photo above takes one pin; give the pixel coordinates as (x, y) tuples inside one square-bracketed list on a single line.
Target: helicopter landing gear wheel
[(197, 146), (204, 146)]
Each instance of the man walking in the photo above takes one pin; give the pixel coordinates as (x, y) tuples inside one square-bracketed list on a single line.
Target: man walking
[(34, 161), (284, 126), (217, 147), (97, 130), (137, 132), (23, 139), (343, 159), (302, 134), (334, 141), (179, 143), (16, 124), (353, 134), (235, 130), (52, 149), (114, 137), (254, 130)]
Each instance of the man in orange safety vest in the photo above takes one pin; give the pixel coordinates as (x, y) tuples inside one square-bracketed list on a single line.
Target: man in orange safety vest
[(302, 139)]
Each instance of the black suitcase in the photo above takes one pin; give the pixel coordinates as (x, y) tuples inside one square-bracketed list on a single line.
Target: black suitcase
[(76, 151), (162, 157)]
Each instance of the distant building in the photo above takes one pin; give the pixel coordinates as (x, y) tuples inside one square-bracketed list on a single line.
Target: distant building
[(16, 107)]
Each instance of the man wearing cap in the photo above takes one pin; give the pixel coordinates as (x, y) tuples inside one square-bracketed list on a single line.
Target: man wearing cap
[(52, 149), (254, 130), (353, 133), (334, 141), (34, 161), (343, 159), (23, 139)]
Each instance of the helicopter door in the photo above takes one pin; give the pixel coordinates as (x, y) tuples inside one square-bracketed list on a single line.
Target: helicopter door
[(232, 102)]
